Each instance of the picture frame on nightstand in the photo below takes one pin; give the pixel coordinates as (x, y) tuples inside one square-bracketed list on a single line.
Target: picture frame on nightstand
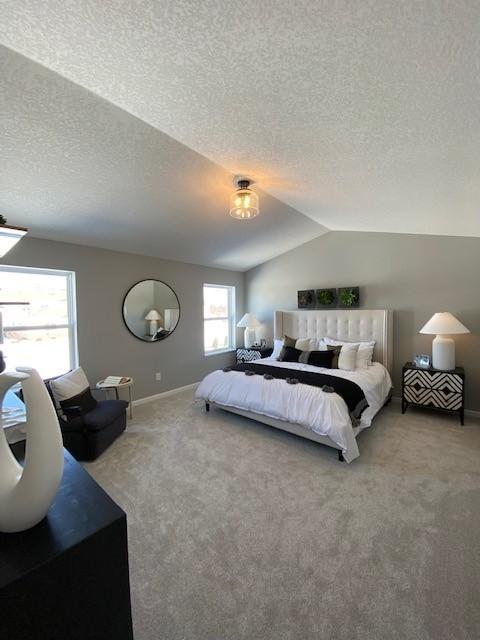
[(423, 361)]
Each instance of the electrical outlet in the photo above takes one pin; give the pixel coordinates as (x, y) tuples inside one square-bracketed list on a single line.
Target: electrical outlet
[(158, 376)]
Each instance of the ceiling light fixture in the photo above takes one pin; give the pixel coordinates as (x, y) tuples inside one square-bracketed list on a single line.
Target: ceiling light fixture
[(9, 236), (244, 201)]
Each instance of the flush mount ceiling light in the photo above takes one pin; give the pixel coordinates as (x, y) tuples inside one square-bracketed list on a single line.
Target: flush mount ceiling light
[(244, 201), (9, 236)]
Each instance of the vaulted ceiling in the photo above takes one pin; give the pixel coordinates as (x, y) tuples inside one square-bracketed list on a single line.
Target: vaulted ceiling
[(76, 168), (361, 116)]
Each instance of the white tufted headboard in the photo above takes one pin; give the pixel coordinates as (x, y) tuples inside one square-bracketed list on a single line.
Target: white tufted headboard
[(341, 324)]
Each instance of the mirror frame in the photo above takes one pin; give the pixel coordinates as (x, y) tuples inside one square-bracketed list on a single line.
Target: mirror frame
[(123, 307)]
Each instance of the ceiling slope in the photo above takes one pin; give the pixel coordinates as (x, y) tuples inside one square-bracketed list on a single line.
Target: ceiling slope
[(76, 168), (362, 115)]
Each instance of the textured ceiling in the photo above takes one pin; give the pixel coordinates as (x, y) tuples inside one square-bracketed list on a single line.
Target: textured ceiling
[(362, 115), (75, 167)]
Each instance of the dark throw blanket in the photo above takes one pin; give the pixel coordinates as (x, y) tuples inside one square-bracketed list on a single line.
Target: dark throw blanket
[(351, 393)]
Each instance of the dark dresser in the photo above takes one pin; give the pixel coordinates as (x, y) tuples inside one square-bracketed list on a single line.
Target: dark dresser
[(429, 387), (67, 578)]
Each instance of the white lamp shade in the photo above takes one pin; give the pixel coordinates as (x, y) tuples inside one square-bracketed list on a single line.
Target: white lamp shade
[(249, 320), (444, 323), (153, 315)]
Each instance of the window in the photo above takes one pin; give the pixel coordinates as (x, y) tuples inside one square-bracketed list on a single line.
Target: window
[(42, 334), (218, 318)]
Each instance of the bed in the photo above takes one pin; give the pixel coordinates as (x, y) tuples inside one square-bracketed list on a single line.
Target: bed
[(305, 410)]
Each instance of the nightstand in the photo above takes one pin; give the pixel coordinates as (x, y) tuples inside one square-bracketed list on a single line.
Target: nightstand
[(103, 384), (254, 353), (434, 389)]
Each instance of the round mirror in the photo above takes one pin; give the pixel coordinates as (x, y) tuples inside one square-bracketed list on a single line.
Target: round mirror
[(151, 310)]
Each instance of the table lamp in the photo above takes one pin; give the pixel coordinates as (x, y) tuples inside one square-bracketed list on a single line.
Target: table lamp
[(249, 321), (442, 325), (153, 316)]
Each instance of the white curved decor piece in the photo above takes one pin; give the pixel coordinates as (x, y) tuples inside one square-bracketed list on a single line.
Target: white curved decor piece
[(27, 492)]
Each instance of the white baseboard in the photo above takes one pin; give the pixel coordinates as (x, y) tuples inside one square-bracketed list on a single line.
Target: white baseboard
[(472, 413), (468, 412), (164, 394)]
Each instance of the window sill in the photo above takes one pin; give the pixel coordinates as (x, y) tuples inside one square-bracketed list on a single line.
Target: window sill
[(218, 352)]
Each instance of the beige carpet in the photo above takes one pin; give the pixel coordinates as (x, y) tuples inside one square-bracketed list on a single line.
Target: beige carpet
[(241, 531)]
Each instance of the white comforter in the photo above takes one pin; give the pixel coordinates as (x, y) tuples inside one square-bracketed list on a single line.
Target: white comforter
[(324, 413)]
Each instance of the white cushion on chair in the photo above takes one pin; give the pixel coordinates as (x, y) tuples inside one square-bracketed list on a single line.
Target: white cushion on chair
[(69, 385)]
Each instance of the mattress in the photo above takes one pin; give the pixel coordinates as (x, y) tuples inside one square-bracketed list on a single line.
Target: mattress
[(324, 413)]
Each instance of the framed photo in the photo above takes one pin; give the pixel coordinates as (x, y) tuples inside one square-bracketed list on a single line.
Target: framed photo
[(326, 298), (424, 361), (306, 299), (349, 297)]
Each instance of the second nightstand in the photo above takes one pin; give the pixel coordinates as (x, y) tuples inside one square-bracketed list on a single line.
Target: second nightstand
[(433, 388), (254, 353)]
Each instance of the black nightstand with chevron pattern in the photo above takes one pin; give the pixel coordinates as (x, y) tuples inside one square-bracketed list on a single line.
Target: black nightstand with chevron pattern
[(433, 388), (253, 353)]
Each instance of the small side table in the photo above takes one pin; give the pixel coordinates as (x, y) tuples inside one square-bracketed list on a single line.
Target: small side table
[(432, 388), (253, 353), (124, 385)]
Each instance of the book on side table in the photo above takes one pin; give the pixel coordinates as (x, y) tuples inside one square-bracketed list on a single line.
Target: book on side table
[(115, 380)]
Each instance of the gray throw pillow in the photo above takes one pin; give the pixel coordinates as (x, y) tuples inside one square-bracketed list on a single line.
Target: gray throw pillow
[(287, 342), (336, 353)]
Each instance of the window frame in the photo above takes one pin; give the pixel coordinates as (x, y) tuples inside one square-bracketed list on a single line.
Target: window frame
[(231, 319), (71, 325)]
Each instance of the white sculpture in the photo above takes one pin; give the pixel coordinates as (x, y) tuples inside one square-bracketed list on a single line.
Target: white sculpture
[(27, 492)]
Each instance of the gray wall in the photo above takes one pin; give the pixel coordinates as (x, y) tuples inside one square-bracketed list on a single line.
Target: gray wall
[(412, 274), (104, 343)]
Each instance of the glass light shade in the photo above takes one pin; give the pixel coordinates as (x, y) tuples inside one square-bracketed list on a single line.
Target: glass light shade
[(244, 204), (9, 236)]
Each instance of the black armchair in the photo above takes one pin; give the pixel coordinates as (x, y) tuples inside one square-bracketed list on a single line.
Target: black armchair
[(87, 434)]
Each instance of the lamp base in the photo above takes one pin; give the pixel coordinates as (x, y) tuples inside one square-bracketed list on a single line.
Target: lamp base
[(443, 353), (249, 337), (153, 327)]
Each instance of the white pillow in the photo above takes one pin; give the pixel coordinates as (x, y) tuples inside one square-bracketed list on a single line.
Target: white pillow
[(321, 345), (305, 344), (277, 347), (364, 353), (347, 358), (69, 385)]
